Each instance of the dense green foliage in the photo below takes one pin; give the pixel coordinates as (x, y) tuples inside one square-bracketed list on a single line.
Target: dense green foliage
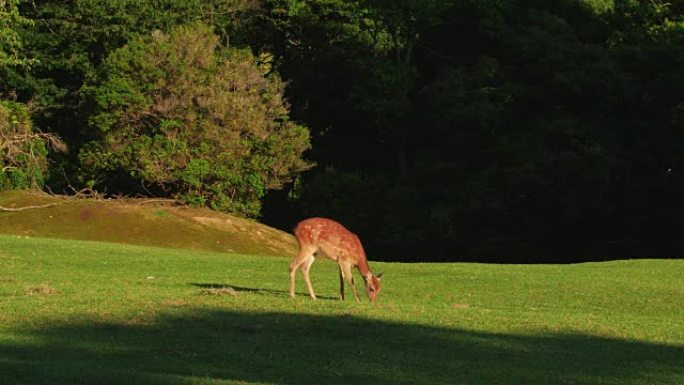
[(203, 125), (540, 130), (534, 129), (23, 151), (87, 312), (10, 39)]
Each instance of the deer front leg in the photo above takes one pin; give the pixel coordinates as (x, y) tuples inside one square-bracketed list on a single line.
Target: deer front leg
[(349, 277), (341, 284)]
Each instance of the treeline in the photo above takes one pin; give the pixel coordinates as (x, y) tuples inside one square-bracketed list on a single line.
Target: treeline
[(511, 131)]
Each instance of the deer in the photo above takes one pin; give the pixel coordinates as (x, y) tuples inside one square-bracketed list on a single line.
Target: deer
[(324, 236)]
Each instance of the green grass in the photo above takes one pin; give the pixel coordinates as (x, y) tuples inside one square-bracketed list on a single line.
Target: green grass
[(74, 312)]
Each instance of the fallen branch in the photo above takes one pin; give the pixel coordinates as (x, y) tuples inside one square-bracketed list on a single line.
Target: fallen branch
[(30, 207), (82, 194), (87, 194), (165, 200)]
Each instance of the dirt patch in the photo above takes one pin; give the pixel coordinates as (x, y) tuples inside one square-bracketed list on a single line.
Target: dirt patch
[(42, 289), (174, 303), (220, 291), (85, 214), (141, 319)]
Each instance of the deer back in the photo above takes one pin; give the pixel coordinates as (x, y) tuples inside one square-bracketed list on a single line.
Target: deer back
[(330, 237)]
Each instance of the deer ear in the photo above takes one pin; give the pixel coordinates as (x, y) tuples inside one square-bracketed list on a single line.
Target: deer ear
[(379, 276)]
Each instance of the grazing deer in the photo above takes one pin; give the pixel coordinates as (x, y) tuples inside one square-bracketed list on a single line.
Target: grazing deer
[(337, 243)]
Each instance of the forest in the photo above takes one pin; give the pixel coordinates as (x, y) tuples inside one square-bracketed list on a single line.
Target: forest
[(506, 131)]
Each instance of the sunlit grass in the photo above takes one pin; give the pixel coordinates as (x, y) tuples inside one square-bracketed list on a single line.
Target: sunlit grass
[(84, 312)]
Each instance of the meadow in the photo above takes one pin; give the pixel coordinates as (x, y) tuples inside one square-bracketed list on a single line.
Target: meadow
[(78, 312)]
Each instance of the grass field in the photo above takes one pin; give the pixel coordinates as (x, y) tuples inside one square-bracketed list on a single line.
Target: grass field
[(74, 312)]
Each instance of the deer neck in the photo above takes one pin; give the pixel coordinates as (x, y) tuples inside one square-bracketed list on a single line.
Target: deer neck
[(364, 269)]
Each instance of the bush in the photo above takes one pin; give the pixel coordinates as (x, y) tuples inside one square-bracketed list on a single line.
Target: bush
[(23, 151), (195, 121)]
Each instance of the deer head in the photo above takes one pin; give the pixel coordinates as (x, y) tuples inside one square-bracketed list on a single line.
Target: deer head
[(373, 285)]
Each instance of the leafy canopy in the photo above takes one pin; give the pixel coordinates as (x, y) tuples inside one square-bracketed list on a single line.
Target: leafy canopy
[(202, 123), (23, 150), (10, 39)]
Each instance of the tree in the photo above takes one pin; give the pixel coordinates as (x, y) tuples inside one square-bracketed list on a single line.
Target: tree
[(501, 129), (23, 151), (10, 39), (187, 118)]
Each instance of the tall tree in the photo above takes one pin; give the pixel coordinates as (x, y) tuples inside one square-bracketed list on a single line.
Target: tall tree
[(490, 128)]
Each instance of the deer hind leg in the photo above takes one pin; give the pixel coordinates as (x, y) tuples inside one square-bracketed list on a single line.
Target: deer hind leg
[(346, 271), (303, 256), (305, 271)]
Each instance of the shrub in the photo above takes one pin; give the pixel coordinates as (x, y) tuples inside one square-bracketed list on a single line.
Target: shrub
[(196, 121), (23, 150)]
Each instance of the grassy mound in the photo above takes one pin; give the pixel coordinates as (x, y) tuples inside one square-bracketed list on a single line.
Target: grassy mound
[(133, 221), (74, 312)]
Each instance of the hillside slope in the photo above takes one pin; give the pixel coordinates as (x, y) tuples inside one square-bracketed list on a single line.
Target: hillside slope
[(140, 222)]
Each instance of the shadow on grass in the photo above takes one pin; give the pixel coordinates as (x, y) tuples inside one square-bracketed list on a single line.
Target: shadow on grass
[(255, 290), (283, 348)]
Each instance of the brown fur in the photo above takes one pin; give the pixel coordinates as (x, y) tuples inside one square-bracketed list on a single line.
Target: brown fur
[(335, 242)]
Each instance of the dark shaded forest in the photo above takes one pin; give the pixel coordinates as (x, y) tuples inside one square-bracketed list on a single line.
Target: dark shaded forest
[(454, 130)]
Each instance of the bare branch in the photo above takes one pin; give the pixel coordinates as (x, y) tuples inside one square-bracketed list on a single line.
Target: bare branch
[(11, 209)]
